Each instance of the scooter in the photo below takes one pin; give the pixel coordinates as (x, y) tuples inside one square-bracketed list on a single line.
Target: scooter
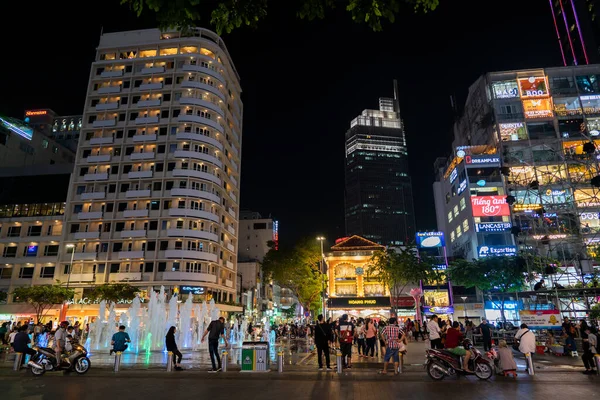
[(442, 363), (45, 360)]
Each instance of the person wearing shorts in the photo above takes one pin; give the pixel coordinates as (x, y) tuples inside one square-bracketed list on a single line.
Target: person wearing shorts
[(453, 340), (393, 336)]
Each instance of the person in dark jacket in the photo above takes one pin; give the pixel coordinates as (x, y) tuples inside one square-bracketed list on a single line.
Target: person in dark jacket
[(21, 343), (323, 336), (172, 347), (486, 330)]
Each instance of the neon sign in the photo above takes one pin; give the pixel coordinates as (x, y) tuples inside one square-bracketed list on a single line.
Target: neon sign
[(32, 113), (462, 186), (489, 206), (493, 227), (490, 251), (430, 239), (540, 108), (482, 159), (534, 86), (453, 175), (17, 127)]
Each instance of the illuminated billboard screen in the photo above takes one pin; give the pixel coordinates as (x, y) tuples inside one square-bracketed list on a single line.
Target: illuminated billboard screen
[(17, 127), (540, 108), (493, 251), (505, 89), (428, 240), (534, 86), (489, 206)]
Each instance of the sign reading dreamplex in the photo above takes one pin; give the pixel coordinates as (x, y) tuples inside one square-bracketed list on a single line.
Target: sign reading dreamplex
[(482, 160), (489, 206), (358, 302)]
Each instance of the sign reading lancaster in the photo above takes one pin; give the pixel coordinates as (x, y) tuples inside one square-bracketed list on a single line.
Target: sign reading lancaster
[(489, 206)]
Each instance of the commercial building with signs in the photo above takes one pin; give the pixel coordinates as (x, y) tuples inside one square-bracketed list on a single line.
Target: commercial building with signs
[(352, 290), (63, 129), (525, 161), (378, 193)]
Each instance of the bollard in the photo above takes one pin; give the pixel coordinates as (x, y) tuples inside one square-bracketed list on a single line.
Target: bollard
[(224, 361), (170, 361), (529, 363), (117, 361), (339, 362), (18, 361), (597, 360), (280, 361), (401, 364)]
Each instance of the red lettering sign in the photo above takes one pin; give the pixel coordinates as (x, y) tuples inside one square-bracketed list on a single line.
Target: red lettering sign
[(489, 206)]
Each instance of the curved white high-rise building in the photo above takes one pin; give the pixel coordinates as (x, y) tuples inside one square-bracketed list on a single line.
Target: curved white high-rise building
[(154, 196)]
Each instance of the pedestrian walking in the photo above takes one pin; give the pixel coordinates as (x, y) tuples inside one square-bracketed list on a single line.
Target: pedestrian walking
[(215, 330), (393, 337), (590, 344), (435, 334), (323, 336), (346, 335), (171, 346)]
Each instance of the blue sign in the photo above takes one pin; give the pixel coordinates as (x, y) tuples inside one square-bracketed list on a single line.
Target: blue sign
[(191, 289), (430, 310), (493, 227), (453, 175), (428, 240), (508, 305), (481, 182), (462, 186), (491, 251)]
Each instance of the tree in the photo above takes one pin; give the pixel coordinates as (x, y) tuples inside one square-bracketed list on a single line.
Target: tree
[(297, 269), (226, 15), (42, 298), (496, 274), (113, 292), (400, 268), (290, 313)]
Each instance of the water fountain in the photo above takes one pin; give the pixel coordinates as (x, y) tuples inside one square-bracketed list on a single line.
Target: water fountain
[(185, 323)]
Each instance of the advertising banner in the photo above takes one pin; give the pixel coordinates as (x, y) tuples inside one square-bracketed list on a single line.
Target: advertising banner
[(541, 319), (359, 302), (489, 206), (534, 86), (430, 239), (488, 251), (430, 310), (540, 108)]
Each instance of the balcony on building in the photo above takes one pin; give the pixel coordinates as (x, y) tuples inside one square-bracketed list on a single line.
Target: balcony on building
[(228, 283), (191, 173), (115, 73), (188, 276), (107, 106), (200, 138), (233, 196), (229, 264), (89, 215), (146, 120), (200, 120), (101, 176), (147, 155), (234, 181), (200, 68), (153, 70), (230, 247), (198, 156), (98, 159), (149, 103), (188, 212), (109, 89), (193, 101), (230, 211), (139, 174), (145, 138), (126, 276), (135, 213), (131, 254), (79, 277), (86, 235), (188, 84), (102, 140), (137, 233), (138, 193), (93, 195), (195, 193), (151, 86), (234, 165), (104, 123), (190, 255), (88, 256), (231, 229), (192, 233)]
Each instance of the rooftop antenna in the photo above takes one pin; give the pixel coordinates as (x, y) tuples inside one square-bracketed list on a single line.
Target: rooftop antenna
[(396, 100)]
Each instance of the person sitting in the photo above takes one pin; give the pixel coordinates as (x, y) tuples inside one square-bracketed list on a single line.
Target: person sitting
[(120, 340), (541, 285), (453, 339), (506, 361), (21, 342)]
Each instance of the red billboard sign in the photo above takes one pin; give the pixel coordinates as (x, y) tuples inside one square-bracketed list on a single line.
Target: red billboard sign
[(489, 206), (403, 301)]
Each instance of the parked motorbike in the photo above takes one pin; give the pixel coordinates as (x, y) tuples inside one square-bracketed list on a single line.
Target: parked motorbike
[(45, 360), (442, 363)]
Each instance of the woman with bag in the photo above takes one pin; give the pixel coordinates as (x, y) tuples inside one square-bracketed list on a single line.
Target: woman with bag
[(371, 337)]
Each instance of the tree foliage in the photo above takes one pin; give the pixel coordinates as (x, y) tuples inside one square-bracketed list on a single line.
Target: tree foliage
[(399, 268), (113, 292), (227, 15), (297, 269), (43, 297)]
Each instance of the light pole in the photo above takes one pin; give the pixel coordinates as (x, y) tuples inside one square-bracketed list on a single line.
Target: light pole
[(464, 299), (70, 246), (322, 239)]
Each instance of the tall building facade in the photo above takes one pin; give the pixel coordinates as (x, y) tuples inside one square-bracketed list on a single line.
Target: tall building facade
[(255, 233), (577, 30), (154, 196), (523, 174), (378, 192)]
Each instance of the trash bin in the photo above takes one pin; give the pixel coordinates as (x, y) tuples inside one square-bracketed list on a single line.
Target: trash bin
[(255, 357)]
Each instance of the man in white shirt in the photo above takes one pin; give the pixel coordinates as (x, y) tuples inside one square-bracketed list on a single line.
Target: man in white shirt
[(60, 338), (526, 340), (435, 336)]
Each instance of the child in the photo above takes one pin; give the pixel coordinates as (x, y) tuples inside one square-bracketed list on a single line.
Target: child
[(505, 357)]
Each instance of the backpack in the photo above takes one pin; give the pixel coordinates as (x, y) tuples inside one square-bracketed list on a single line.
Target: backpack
[(346, 334)]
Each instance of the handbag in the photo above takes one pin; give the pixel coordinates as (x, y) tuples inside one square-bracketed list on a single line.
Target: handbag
[(515, 345)]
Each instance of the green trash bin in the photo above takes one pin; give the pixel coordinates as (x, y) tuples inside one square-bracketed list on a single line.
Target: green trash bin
[(255, 357)]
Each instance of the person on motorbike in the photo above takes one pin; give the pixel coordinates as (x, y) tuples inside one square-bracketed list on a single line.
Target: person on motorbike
[(453, 339), (60, 339)]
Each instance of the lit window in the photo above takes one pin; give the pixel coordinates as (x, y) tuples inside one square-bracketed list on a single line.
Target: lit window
[(450, 216), (458, 231), (463, 204), (452, 236), (168, 52), (189, 49), (455, 211), (207, 52), (465, 225), (148, 53)]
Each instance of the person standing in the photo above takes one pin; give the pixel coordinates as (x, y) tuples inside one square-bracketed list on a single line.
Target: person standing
[(360, 339), (392, 337), (60, 337), (370, 338), (435, 334), (171, 346), (323, 336), (346, 335), (590, 344), (119, 340), (215, 330), (486, 330)]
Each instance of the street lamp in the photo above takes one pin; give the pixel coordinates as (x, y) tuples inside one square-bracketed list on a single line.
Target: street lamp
[(464, 299), (322, 266), (70, 246)]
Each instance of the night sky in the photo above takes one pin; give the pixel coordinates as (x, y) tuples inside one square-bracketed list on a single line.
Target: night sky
[(303, 82)]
